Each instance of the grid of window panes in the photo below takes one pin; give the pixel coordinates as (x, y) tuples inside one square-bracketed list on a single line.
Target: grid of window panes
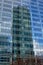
[(22, 32), (5, 50), (22, 29), (5, 31), (36, 7)]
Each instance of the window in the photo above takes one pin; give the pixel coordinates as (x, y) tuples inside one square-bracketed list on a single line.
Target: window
[(17, 21), (34, 7), (28, 39), (34, 19), (34, 0), (17, 44), (32, 52), (17, 32), (17, 26), (37, 29), (38, 34), (6, 19), (33, 3), (27, 33), (15, 51), (3, 59), (7, 5), (7, 1), (6, 30), (27, 45), (6, 25), (26, 1), (17, 3), (41, 2), (37, 24), (26, 5), (6, 14), (40, 41), (35, 15), (31, 45), (7, 10), (18, 38), (34, 11), (4, 43), (18, 51)]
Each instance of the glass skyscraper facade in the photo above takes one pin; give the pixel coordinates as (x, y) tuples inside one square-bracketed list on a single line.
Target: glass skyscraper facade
[(5, 31), (36, 7), (21, 29)]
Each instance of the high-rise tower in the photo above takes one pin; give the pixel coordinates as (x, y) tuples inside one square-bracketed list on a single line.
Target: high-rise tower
[(21, 28)]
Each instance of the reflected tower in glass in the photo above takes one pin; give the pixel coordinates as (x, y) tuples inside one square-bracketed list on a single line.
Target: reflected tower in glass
[(22, 33)]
